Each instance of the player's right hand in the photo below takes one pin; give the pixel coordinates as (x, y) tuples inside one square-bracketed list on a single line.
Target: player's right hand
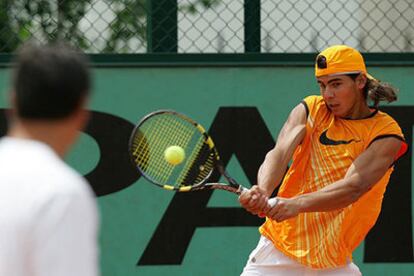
[(255, 201)]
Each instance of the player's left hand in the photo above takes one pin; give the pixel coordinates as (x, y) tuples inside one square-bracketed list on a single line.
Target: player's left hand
[(285, 208)]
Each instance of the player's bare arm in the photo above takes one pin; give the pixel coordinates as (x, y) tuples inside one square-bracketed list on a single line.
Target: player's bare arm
[(276, 161), (365, 171)]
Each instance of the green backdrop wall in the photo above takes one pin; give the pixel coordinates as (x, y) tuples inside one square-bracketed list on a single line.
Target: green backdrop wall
[(229, 100)]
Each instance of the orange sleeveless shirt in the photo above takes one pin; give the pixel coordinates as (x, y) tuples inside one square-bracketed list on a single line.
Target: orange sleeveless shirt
[(327, 239)]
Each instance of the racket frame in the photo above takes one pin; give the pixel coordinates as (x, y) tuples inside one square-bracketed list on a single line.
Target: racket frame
[(232, 185)]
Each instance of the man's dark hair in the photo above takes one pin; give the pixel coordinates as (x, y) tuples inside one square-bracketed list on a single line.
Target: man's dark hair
[(377, 91), (50, 81)]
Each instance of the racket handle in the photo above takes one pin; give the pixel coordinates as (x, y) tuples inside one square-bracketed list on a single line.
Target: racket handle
[(272, 201), (241, 190)]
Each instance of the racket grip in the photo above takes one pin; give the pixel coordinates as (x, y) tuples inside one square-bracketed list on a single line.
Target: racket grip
[(272, 201)]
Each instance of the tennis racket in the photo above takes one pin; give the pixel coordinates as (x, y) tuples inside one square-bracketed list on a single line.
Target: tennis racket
[(162, 129)]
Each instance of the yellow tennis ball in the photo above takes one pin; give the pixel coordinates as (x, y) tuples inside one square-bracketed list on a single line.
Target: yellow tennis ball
[(174, 155)]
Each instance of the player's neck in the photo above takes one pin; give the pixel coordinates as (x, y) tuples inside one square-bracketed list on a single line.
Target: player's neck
[(359, 111)]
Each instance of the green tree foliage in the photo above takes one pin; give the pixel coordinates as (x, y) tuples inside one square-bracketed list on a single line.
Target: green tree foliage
[(129, 23), (42, 20), (9, 36), (194, 6), (49, 20)]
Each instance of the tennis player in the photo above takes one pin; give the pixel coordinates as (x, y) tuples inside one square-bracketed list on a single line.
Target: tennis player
[(343, 152), (48, 213)]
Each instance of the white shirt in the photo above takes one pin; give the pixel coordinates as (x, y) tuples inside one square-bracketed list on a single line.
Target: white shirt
[(48, 214)]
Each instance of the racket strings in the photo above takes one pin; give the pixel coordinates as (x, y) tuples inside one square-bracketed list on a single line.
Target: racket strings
[(164, 130), (148, 133), (160, 137), (151, 131), (187, 176), (201, 165), (180, 137), (200, 162), (157, 133)]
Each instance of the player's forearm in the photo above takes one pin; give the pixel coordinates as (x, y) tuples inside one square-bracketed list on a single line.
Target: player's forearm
[(272, 170), (335, 196), (274, 167)]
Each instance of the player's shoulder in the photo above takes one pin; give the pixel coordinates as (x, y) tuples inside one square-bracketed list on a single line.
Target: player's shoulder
[(315, 105), (383, 122), (66, 181), (34, 166), (383, 116), (313, 98), (313, 101)]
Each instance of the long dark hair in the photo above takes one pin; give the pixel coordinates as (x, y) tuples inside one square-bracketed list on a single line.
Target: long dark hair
[(377, 91)]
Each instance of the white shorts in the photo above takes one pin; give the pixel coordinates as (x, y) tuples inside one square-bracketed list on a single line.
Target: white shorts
[(266, 259)]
